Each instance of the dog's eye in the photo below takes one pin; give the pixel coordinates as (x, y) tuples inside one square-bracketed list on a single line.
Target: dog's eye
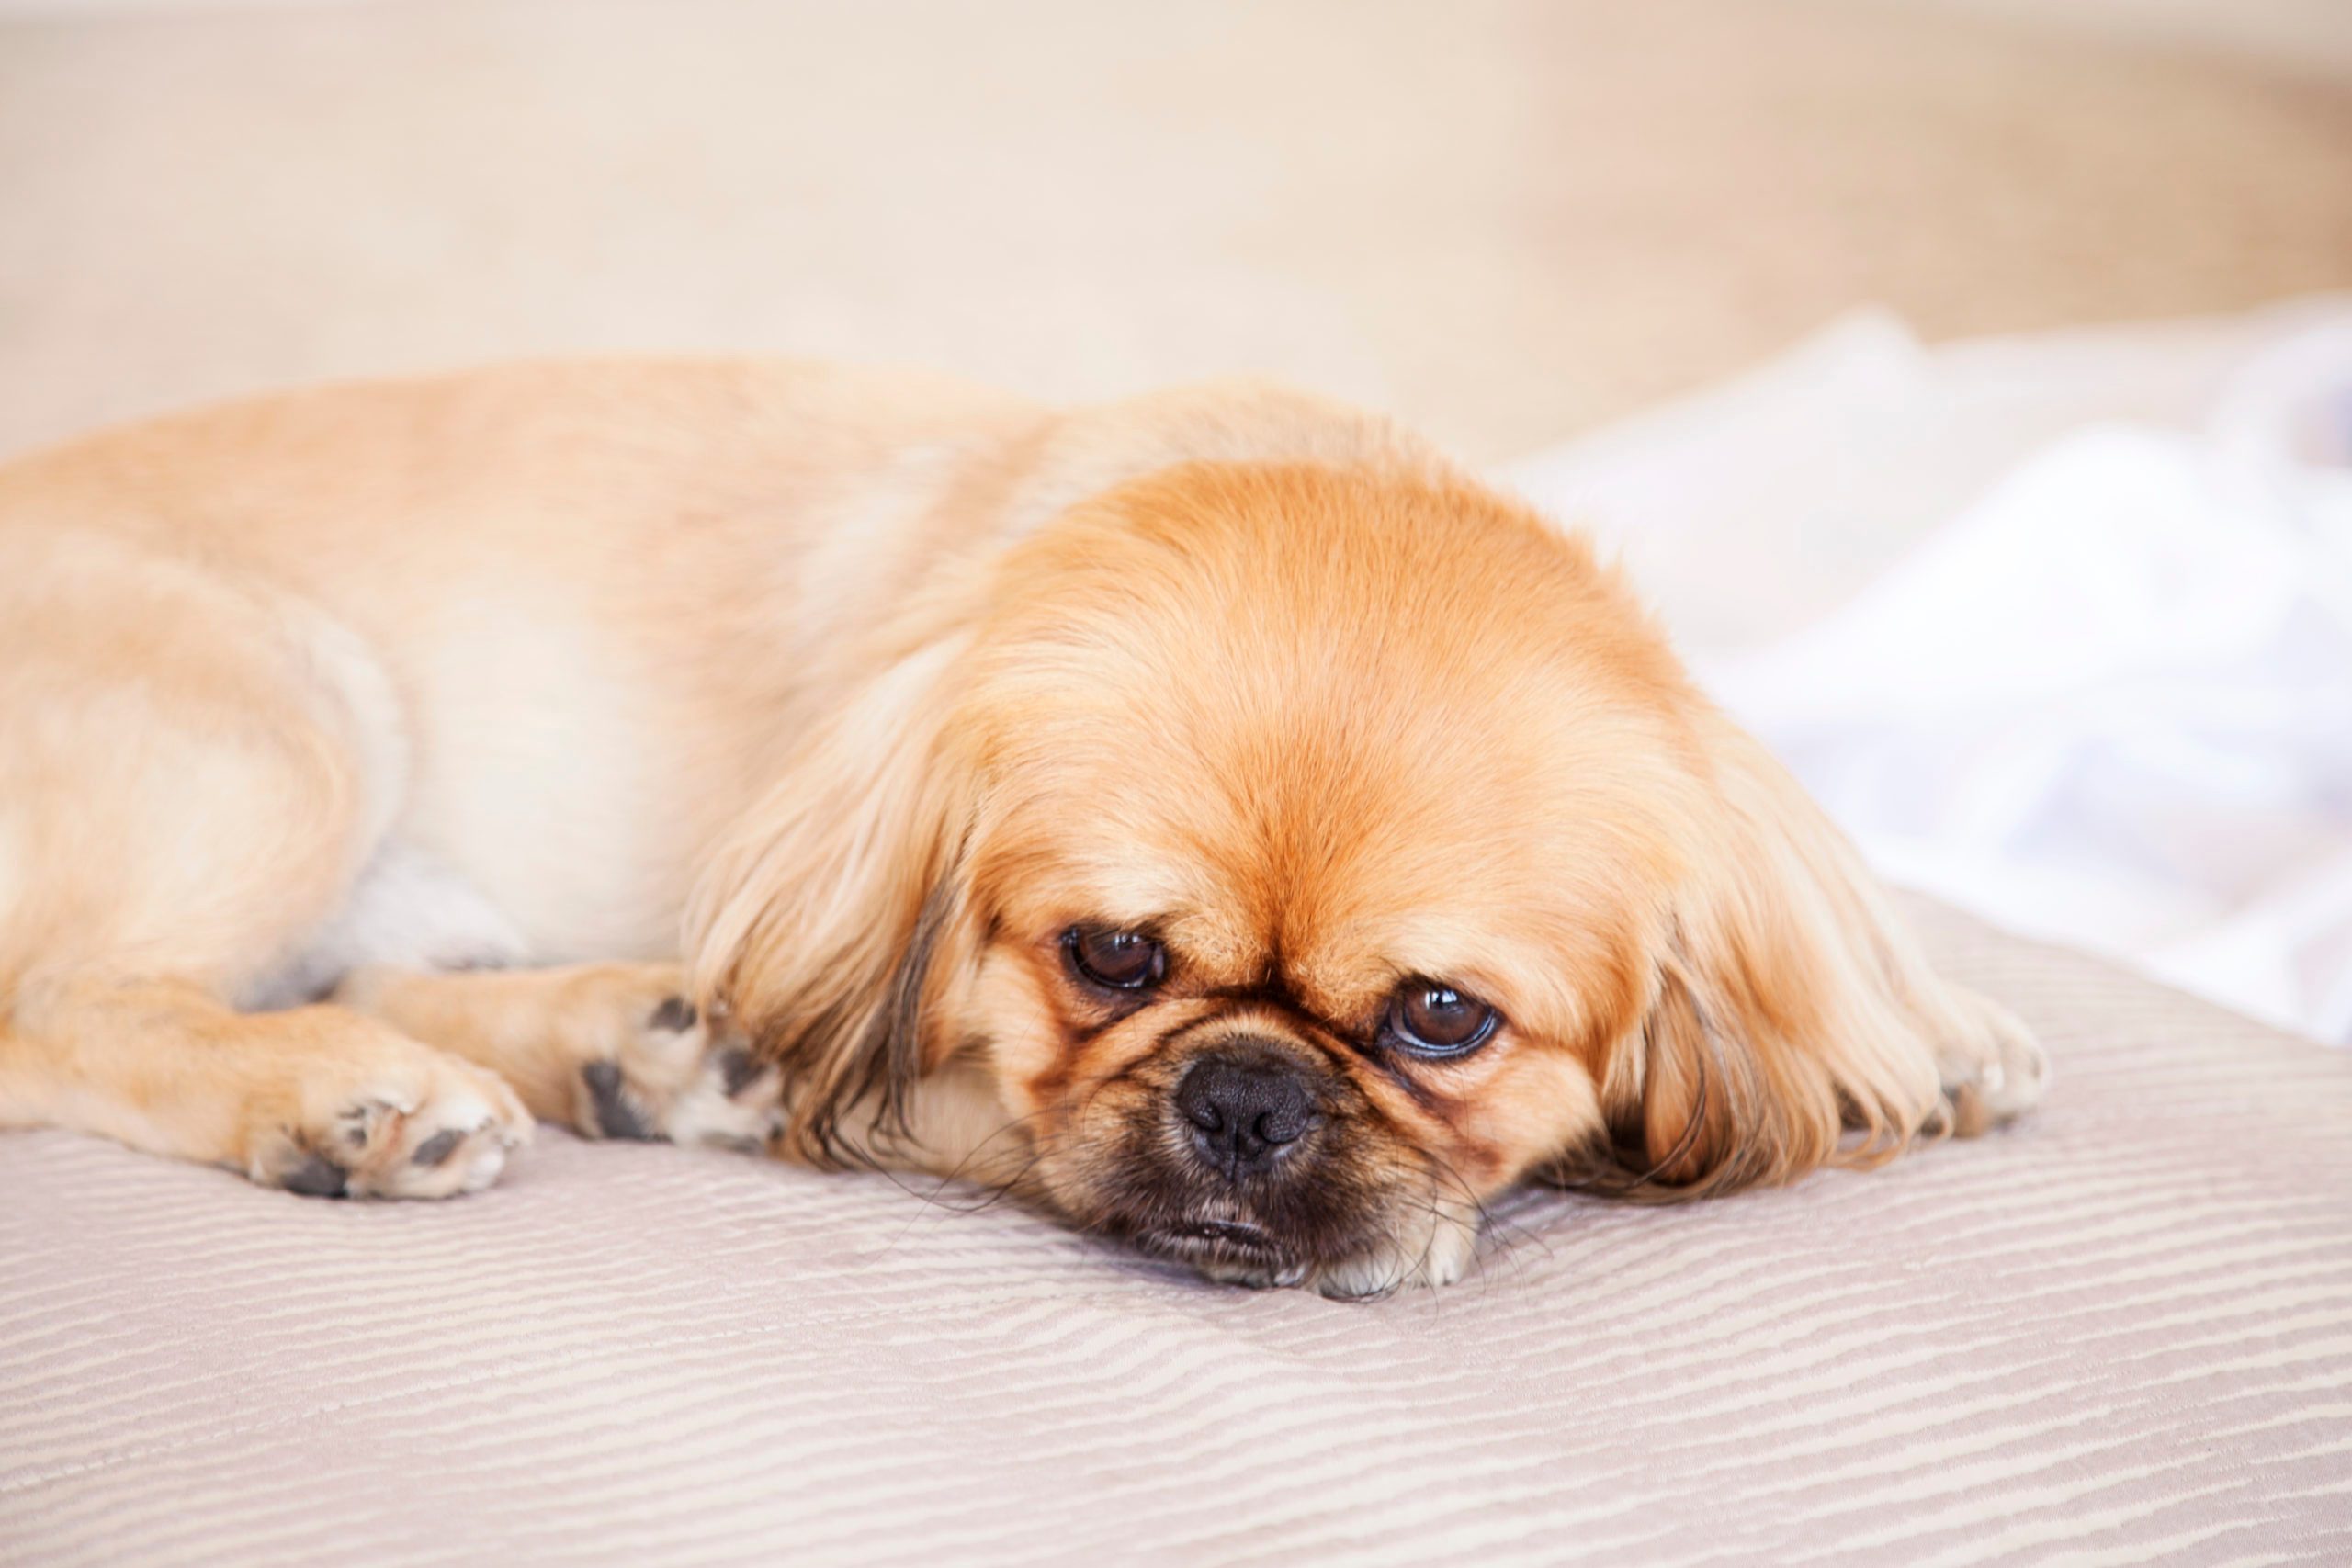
[(1124, 960), (1430, 1018)]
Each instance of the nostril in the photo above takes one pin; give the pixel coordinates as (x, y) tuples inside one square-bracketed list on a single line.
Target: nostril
[(1280, 1129), (1283, 1125), (1202, 1097), (1281, 1107)]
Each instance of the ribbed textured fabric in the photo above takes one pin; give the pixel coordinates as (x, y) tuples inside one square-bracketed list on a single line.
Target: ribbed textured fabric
[(2121, 1332)]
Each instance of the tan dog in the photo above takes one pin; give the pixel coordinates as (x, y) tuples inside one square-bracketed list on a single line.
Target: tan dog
[(1216, 816)]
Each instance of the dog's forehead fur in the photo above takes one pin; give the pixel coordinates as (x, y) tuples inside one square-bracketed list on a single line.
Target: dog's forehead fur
[(1419, 733)]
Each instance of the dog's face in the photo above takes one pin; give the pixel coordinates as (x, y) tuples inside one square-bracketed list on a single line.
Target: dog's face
[(1316, 864), (1302, 855)]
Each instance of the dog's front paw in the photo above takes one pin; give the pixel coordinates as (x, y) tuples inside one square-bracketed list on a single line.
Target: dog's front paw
[(1993, 1073), (398, 1119), (664, 1072), (1436, 1249)]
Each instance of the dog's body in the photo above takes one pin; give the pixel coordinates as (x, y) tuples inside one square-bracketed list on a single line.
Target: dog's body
[(464, 698)]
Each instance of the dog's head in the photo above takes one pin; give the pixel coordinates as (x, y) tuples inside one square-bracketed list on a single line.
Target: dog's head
[(1300, 854)]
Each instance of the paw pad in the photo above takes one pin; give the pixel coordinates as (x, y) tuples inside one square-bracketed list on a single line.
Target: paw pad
[(617, 1117), (738, 1069), (437, 1149), (317, 1176)]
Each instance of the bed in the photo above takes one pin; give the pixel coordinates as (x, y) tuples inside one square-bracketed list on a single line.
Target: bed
[(2122, 1330)]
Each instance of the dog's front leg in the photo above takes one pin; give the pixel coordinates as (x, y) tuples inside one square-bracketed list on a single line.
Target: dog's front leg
[(612, 1050), (617, 1051)]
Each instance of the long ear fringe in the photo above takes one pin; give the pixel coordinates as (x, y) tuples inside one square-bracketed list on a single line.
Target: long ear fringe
[(1733, 1130), (817, 924), (1792, 1024)]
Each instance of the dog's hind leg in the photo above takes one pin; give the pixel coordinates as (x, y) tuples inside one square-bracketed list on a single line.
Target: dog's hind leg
[(193, 769)]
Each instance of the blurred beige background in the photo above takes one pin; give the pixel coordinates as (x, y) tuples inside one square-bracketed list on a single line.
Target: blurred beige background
[(1504, 220)]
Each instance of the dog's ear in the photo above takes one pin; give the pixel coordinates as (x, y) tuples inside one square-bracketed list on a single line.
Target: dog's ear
[(821, 921), (1790, 1020)]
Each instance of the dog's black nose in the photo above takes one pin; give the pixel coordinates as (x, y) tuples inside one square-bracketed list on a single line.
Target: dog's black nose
[(1245, 1109)]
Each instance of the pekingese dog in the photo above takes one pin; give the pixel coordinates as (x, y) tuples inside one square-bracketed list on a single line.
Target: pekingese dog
[(1217, 816)]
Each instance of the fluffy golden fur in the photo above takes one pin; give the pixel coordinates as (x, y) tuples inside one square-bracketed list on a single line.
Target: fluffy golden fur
[(753, 754)]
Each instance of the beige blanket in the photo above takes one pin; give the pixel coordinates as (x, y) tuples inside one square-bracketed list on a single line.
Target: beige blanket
[(2120, 1331)]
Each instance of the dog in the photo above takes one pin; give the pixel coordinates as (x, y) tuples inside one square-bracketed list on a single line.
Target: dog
[(1216, 818)]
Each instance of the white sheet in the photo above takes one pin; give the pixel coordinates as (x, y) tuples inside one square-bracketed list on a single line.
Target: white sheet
[(2059, 628)]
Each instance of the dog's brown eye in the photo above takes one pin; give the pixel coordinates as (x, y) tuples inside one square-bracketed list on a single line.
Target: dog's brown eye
[(1124, 960), (1430, 1018)]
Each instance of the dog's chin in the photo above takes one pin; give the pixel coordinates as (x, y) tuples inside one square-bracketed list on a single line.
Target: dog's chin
[(1232, 1252), (1381, 1259)]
